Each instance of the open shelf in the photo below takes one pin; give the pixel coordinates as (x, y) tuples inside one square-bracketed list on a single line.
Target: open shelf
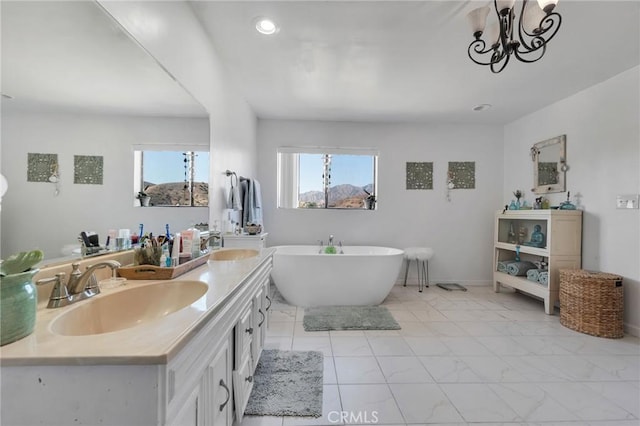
[(562, 231)]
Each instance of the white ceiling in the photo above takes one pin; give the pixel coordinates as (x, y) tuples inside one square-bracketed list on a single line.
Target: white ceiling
[(72, 56), (407, 60), (331, 60)]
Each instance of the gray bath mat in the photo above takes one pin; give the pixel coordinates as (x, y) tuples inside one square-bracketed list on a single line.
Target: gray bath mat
[(287, 383), (324, 318)]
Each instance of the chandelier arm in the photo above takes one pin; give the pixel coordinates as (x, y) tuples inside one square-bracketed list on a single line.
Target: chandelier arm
[(520, 54), (478, 47), (549, 26), (496, 58)]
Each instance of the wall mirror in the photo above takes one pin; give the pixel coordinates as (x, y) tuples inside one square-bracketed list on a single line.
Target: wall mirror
[(549, 165), (75, 84)]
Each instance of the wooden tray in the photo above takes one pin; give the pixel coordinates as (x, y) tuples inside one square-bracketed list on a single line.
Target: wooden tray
[(152, 272)]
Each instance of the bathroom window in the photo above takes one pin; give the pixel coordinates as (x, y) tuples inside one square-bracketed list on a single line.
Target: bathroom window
[(172, 176), (327, 178)]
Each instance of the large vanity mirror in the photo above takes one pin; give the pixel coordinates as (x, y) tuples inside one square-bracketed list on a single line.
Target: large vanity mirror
[(79, 95), (549, 165)]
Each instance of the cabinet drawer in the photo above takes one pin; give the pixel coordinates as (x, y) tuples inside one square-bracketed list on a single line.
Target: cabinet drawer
[(242, 386)]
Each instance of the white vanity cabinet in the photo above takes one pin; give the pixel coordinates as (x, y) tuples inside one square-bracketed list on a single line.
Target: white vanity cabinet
[(192, 383), (561, 249)]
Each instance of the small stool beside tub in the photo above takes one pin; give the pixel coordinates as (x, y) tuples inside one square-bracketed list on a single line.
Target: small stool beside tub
[(592, 302), (421, 255)]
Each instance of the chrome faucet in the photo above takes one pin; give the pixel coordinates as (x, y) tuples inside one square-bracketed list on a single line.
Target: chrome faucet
[(86, 282), (204, 244), (330, 243), (80, 286)]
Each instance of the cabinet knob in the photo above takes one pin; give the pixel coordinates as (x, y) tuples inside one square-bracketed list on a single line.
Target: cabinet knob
[(249, 330), (249, 379)]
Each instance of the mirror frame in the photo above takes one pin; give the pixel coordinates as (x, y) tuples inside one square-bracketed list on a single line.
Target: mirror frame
[(536, 149)]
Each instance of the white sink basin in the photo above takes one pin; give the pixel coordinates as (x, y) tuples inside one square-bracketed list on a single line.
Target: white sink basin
[(128, 308), (233, 254)]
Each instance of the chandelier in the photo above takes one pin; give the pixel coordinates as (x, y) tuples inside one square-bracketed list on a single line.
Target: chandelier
[(537, 24)]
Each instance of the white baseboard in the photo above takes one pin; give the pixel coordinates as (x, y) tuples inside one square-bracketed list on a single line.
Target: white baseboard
[(631, 329)]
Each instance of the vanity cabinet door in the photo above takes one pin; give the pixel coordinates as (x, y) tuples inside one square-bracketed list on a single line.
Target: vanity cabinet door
[(259, 325), (242, 386), (218, 389), (244, 335), (191, 412)]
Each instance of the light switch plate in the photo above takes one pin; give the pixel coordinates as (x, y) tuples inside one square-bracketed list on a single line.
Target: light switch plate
[(629, 201)]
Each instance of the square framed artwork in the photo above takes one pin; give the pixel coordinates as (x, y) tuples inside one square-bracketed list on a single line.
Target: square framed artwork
[(462, 174), (87, 169), (40, 167), (419, 175)]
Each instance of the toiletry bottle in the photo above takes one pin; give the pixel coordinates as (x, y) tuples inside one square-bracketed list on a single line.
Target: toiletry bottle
[(175, 252)]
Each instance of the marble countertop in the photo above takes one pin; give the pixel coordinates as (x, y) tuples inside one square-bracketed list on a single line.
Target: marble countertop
[(153, 342)]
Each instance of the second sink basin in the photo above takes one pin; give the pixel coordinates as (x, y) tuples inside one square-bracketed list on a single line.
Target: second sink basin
[(233, 254), (128, 308)]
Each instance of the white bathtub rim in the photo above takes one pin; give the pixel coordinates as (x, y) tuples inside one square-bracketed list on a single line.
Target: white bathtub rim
[(312, 250)]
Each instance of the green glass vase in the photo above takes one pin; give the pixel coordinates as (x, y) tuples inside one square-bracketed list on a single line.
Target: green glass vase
[(18, 302)]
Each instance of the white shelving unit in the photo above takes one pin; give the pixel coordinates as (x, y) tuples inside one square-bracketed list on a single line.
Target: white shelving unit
[(563, 248)]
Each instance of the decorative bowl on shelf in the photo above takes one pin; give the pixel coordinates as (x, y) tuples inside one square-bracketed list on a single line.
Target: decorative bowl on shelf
[(253, 229)]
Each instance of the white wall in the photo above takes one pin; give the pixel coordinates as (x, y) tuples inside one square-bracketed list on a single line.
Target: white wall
[(172, 34), (32, 216), (460, 231), (603, 152)]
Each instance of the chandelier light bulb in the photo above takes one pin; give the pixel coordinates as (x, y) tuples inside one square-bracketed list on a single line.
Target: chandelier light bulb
[(477, 19), (505, 5), (532, 18), (547, 5)]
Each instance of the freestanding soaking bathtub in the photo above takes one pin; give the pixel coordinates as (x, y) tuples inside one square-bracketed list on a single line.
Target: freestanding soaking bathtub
[(363, 275)]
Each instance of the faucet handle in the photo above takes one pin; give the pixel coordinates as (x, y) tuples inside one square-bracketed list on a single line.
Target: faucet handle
[(59, 294)]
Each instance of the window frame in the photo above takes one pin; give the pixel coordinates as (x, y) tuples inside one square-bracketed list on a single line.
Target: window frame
[(138, 165), (288, 173)]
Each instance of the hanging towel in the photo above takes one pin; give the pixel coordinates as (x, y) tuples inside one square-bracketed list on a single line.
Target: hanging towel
[(502, 265), (532, 275), (255, 202), (234, 201), (244, 196), (520, 268), (543, 278)]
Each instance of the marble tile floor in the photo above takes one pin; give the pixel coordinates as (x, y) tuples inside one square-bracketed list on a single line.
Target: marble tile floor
[(465, 358)]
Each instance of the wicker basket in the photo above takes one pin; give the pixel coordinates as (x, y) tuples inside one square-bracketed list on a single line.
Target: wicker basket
[(592, 302)]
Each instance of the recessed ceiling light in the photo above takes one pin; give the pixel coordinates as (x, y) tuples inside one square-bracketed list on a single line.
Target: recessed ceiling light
[(266, 26), (482, 107)]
